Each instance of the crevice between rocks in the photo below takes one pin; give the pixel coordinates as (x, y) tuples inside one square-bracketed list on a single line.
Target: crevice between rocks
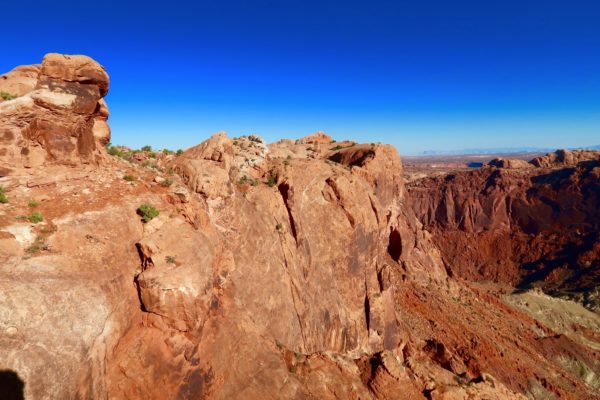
[(284, 190)]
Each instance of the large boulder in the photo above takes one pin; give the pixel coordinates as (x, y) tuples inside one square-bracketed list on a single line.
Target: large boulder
[(205, 168)]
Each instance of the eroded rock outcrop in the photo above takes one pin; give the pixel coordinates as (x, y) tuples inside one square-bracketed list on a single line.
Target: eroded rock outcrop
[(524, 227), (565, 158), (57, 115), (510, 163)]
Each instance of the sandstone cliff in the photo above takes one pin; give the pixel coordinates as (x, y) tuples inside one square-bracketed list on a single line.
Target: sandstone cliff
[(297, 270), (526, 227)]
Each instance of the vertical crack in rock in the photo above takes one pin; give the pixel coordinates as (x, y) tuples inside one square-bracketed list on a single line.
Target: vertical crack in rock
[(367, 311), (145, 262), (284, 190), (374, 209), (331, 183), (395, 244), (293, 291)]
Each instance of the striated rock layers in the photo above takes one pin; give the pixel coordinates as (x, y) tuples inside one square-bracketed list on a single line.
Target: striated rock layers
[(57, 114), (296, 270), (530, 226)]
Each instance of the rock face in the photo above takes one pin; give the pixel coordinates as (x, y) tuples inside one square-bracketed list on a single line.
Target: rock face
[(510, 163), (58, 116), (565, 158), (295, 270), (519, 227)]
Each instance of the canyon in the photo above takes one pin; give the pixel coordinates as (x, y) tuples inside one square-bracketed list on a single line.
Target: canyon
[(300, 269)]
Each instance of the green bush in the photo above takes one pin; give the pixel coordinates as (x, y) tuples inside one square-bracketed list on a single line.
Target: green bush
[(147, 212), (129, 178), (115, 151), (271, 181), (3, 198), (33, 204), (8, 96), (35, 217), (179, 152), (338, 147), (147, 148), (170, 259)]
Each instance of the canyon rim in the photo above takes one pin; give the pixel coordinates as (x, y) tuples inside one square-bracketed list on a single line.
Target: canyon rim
[(299, 269)]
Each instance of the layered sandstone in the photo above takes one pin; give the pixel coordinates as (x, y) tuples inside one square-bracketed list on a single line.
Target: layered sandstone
[(534, 226), (58, 115), (565, 158), (292, 270)]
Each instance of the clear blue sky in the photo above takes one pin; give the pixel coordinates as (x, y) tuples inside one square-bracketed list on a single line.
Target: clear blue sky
[(418, 74)]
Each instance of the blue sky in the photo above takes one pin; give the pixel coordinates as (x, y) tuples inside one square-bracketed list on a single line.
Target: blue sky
[(422, 75)]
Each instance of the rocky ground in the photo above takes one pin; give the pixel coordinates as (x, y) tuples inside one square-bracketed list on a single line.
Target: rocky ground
[(240, 269)]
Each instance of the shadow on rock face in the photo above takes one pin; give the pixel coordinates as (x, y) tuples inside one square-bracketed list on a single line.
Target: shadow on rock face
[(11, 386)]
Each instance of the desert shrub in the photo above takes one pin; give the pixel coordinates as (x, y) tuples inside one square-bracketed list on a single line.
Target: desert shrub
[(271, 181), (338, 147), (38, 245), (8, 96), (33, 204), (279, 227), (147, 212), (3, 198), (35, 217), (179, 152), (146, 148), (152, 155), (116, 151), (167, 151), (129, 178), (170, 259)]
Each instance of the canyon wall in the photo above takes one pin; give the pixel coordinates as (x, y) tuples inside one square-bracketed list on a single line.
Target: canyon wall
[(522, 226)]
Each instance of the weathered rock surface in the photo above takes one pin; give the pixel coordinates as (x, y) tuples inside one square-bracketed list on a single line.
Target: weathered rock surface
[(565, 158), (510, 163), (288, 271), (58, 117), (526, 227)]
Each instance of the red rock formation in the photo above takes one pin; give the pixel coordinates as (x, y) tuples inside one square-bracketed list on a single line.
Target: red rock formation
[(510, 163), (294, 270), (565, 158), (519, 227), (57, 115)]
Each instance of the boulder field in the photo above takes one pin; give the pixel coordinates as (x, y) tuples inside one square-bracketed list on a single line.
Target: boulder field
[(294, 270)]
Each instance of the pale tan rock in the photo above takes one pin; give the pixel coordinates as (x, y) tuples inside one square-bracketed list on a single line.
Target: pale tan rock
[(101, 131), (9, 246), (205, 168), (20, 80), (318, 137)]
